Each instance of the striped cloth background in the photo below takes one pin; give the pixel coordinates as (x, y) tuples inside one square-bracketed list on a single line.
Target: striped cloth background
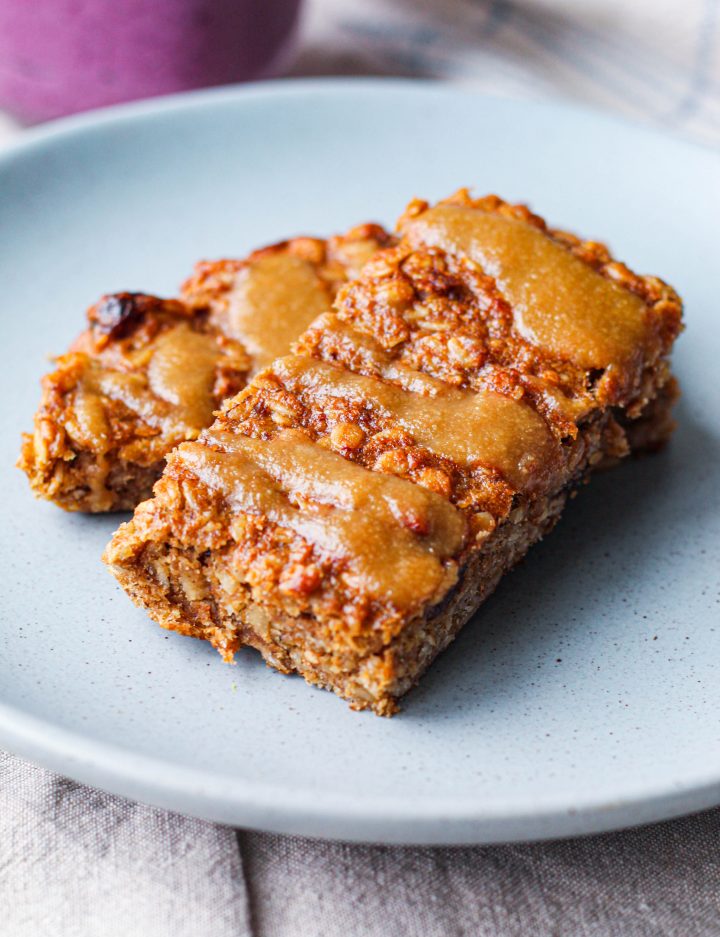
[(653, 60)]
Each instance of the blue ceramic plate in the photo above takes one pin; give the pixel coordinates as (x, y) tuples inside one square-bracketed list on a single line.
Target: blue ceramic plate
[(584, 696)]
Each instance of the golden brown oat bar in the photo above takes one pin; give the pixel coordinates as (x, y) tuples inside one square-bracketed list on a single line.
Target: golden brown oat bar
[(148, 373), (350, 509)]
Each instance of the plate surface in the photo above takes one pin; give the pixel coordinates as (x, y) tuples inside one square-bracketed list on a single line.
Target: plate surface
[(585, 694)]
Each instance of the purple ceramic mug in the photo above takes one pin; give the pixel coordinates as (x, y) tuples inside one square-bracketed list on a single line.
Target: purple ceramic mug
[(61, 56)]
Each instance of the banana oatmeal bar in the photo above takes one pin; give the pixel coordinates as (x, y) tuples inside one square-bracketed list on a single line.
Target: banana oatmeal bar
[(348, 511), (148, 373)]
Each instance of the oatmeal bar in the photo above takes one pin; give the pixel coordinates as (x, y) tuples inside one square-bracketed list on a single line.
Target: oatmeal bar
[(148, 373), (351, 508)]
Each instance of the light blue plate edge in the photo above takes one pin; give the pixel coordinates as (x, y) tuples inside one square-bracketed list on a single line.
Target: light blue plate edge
[(36, 137), (276, 809)]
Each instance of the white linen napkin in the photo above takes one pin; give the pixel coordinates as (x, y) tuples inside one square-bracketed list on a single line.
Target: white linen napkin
[(77, 862)]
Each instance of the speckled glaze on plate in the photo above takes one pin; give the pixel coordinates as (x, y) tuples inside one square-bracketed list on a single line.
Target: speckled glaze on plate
[(585, 694)]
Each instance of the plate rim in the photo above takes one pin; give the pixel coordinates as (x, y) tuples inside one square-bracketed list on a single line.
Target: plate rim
[(88, 121), (228, 799)]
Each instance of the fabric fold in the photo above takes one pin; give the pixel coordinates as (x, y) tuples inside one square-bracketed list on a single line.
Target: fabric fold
[(77, 862)]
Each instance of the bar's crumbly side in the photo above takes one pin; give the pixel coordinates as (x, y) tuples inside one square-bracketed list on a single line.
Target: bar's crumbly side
[(349, 510), (149, 373)]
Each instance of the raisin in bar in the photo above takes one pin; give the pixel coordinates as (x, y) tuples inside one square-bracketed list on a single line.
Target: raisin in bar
[(351, 508), (149, 373)]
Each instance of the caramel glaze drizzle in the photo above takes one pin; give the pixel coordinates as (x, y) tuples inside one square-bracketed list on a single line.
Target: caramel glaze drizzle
[(558, 301), (395, 536), (483, 428), (273, 300), (175, 394)]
